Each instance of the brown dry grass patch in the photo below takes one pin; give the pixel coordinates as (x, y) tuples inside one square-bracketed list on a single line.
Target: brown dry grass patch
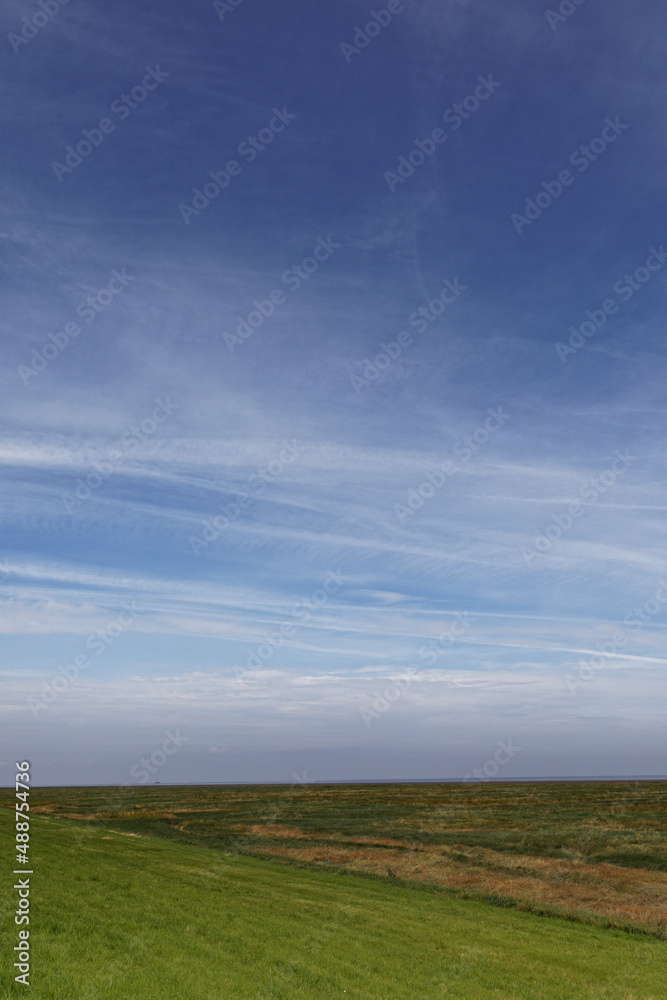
[(625, 895)]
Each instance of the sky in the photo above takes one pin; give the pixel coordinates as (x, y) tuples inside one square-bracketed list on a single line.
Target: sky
[(332, 391)]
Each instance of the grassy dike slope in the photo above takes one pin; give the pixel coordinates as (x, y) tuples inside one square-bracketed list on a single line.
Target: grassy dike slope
[(119, 916)]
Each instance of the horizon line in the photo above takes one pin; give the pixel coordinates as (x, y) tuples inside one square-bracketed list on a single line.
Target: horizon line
[(368, 781)]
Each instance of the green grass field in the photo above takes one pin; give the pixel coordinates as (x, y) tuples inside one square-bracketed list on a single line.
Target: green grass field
[(591, 851), (116, 916)]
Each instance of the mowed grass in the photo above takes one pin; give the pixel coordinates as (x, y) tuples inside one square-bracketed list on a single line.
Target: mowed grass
[(117, 916), (590, 851)]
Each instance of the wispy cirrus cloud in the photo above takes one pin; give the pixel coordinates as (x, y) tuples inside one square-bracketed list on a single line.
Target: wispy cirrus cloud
[(98, 512)]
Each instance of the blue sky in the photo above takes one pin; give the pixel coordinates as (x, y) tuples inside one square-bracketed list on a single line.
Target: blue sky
[(251, 495)]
